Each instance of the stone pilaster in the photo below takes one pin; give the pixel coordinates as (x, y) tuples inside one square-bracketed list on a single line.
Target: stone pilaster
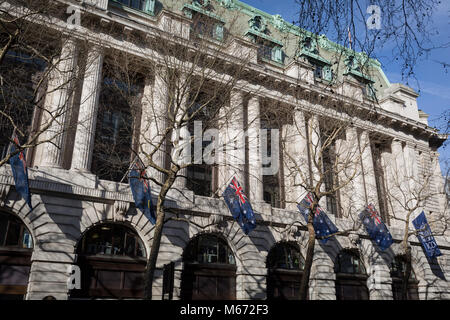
[(235, 142), (368, 169), (181, 133), (296, 172), (352, 195), (87, 117), (254, 145), (57, 104), (155, 108)]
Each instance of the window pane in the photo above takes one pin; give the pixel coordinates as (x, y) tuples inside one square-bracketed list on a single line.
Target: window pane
[(12, 238), (3, 226)]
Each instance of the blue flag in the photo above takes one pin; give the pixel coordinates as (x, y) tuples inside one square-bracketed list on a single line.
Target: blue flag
[(140, 189), (376, 229), (20, 171), (239, 206), (426, 237), (322, 224)]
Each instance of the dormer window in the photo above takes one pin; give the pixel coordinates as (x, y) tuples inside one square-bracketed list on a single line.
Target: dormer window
[(270, 49), (205, 24), (147, 6)]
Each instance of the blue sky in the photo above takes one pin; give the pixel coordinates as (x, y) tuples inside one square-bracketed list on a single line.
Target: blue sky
[(433, 78)]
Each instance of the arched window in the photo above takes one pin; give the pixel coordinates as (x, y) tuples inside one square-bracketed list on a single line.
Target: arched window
[(16, 246), (398, 269), (112, 262), (285, 269), (209, 271), (351, 277)]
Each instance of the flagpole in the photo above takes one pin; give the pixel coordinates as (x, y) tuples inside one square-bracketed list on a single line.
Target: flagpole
[(129, 168)]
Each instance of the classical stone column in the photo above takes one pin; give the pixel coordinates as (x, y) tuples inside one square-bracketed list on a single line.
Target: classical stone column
[(154, 123), (254, 153), (296, 172), (87, 117), (315, 147), (398, 184), (368, 169), (182, 134), (57, 104), (349, 170), (235, 144)]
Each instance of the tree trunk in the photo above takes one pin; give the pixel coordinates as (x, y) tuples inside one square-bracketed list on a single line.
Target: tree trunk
[(407, 274), (153, 257), (304, 284)]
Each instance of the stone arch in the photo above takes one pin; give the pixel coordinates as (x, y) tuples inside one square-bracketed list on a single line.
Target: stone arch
[(114, 266), (285, 264), (351, 276), (209, 268)]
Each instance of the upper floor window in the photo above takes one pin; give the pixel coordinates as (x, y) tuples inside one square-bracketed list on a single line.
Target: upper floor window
[(205, 24), (147, 6), (116, 129)]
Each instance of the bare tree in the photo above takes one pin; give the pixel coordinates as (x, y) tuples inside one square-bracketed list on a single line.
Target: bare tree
[(415, 183), (37, 77), (183, 86)]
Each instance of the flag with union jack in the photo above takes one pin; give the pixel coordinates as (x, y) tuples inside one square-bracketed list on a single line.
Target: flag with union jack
[(140, 188), (20, 171), (239, 206), (376, 229), (322, 224)]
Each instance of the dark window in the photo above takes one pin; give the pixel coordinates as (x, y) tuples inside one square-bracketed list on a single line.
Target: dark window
[(202, 177), (115, 130), (272, 184), (112, 240), (398, 269), (13, 232), (351, 277), (135, 4), (377, 149), (21, 89), (209, 271), (330, 172), (285, 269), (318, 71)]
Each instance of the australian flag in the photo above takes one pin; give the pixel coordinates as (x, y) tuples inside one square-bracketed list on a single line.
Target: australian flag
[(140, 189), (426, 237), (20, 171), (376, 229), (322, 224), (239, 206)]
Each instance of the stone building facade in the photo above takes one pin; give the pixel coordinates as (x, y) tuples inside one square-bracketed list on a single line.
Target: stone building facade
[(74, 206)]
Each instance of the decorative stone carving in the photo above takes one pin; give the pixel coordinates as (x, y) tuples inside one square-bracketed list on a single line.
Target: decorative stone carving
[(4, 190), (229, 4), (258, 23), (120, 210), (279, 23), (200, 3), (354, 241), (217, 223)]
